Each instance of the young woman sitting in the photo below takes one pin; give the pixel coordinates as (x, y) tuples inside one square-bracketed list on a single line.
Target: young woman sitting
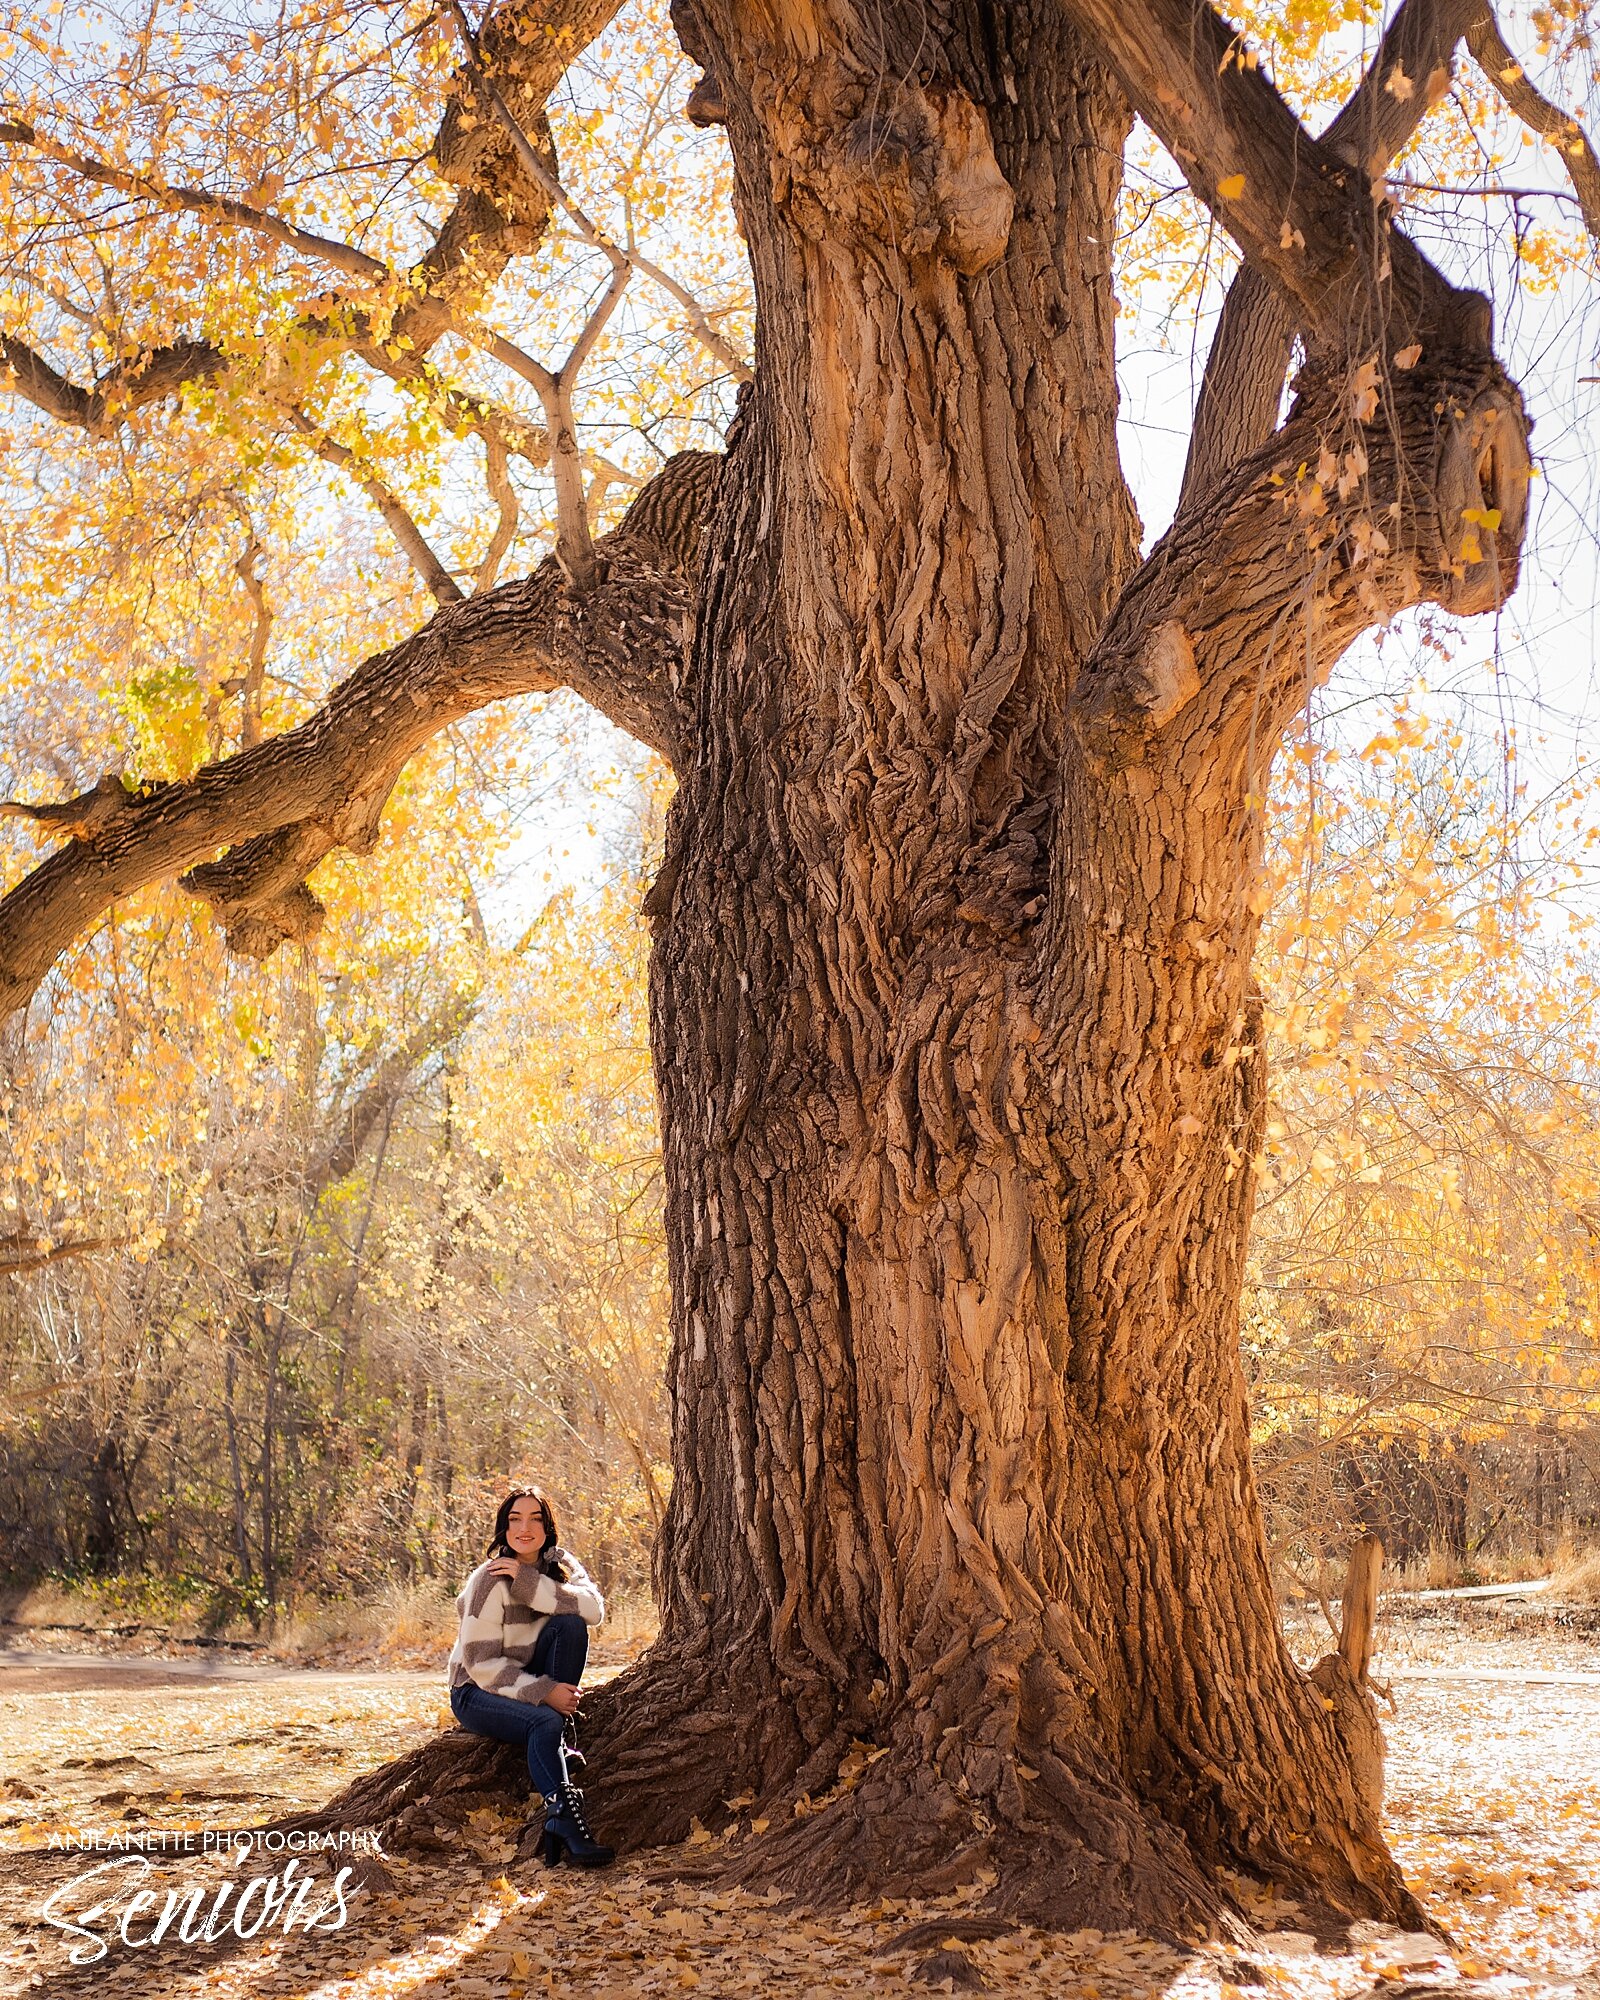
[(519, 1656)]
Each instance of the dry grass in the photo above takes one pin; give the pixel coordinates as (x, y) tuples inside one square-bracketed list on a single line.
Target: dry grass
[(396, 1625), (1572, 1567), (1440, 1570), (1575, 1578)]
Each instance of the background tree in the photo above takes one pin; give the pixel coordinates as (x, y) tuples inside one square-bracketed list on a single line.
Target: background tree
[(315, 1251), (961, 1068), (1422, 1270)]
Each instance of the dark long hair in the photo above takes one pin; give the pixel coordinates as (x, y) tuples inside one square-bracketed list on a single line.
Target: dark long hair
[(548, 1559)]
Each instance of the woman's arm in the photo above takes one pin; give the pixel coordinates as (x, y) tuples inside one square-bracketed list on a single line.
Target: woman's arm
[(577, 1597), (480, 1646)]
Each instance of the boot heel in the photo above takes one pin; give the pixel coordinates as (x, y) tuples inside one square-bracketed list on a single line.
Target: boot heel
[(550, 1849), (564, 1809)]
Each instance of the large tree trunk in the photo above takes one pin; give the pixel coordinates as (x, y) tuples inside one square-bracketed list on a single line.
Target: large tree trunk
[(960, 1066), (958, 1128)]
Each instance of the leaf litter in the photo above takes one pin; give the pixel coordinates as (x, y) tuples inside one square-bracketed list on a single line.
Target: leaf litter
[(1493, 1810)]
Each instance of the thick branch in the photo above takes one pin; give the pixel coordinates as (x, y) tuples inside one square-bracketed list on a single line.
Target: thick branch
[(129, 386), (1237, 408), (1367, 502), (1294, 206), (288, 802), (1238, 403), (1405, 79), (1505, 73)]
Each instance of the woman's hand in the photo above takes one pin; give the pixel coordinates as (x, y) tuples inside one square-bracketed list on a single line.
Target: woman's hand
[(563, 1698), (506, 1566)]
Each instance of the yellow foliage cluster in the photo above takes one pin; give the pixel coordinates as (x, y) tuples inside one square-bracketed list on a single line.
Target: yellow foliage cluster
[(1425, 1263)]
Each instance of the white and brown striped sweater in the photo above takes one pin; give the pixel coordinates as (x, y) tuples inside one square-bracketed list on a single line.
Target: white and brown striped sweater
[(501, 1617)]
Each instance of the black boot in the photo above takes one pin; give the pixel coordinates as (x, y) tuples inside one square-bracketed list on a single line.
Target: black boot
[(567, 1831)]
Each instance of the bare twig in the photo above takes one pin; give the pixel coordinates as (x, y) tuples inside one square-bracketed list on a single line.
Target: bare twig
[(1243, 382), (440, 582)]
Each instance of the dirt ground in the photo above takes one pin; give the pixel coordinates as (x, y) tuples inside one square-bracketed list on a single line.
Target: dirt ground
[(1493, 1808)]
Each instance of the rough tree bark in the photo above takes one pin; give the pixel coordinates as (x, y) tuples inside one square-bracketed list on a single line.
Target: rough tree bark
[(959, 1059), (960, 1066)]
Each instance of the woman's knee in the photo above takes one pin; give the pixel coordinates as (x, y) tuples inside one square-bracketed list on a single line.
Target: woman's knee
[(568, 1625)]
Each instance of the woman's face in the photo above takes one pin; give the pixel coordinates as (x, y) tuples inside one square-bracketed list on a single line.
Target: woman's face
[(525, 1528)]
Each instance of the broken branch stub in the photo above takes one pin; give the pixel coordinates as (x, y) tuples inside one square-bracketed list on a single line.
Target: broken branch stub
[(1359, 1612), (1341, 1676)]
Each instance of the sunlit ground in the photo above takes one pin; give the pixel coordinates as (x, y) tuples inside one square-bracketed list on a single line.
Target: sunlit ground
[(1494, 1810)]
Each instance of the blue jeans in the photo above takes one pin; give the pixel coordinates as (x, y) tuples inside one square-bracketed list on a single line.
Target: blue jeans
[(560, 1650)]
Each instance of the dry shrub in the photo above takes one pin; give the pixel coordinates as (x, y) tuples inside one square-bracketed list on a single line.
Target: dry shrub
[(396, 1625), (1576, 1578)]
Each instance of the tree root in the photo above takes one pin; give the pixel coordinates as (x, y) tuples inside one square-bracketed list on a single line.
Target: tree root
[(1062, 1845), (418, 1803)]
